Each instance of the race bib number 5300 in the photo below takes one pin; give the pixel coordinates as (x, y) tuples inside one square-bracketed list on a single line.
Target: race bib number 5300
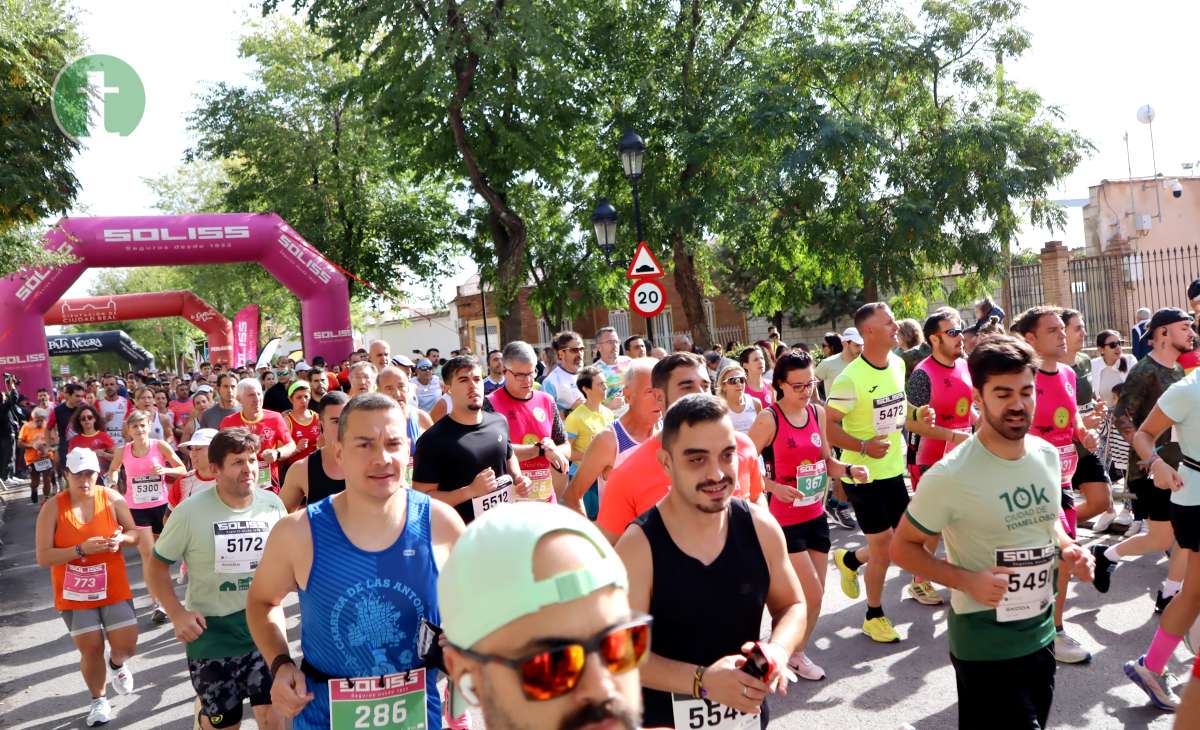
[(887, 413)]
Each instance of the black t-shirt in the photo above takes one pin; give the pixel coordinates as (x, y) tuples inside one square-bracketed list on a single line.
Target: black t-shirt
[(451, 454), (276, 398)]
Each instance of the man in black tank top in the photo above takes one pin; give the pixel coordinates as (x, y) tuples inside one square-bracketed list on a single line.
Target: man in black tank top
[(705, 565), (316, 477)]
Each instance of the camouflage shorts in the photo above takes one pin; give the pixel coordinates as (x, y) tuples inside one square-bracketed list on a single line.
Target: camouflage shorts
[(222, 685)]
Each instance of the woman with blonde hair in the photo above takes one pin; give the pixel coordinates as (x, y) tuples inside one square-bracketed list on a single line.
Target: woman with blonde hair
[(731, 388)]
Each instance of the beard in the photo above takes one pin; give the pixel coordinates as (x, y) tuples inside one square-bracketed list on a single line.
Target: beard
[(1007, 430), (724, 484), (474, 407)]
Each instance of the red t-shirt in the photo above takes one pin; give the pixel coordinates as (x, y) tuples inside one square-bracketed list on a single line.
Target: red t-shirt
[(312, 432), (98, 440), (272, 431), (640, 482), (181, 410)]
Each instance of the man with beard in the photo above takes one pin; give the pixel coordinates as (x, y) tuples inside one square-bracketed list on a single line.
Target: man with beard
[(519, 648), (1056, 419), (495, 377), (461, 457), (1168, 339), (995, 501), (705, 565), (560, 383), (113, 408), (318, 383), (225, 403)]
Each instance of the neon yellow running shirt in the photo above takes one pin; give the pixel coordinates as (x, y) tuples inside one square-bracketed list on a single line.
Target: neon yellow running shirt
[(873, 403)]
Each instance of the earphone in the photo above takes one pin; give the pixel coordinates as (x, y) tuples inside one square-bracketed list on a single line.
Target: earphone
[(466, 687)]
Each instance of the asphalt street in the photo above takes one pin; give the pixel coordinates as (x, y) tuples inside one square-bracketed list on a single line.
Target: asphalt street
[(869, 686)]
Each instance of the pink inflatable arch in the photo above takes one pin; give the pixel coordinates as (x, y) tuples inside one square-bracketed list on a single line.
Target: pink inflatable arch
[(125, 307), (207, 238)]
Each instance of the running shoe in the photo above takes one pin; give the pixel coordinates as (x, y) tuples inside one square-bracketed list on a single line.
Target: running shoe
[(1124, 518), (849, 577), (841, 514), (804, 668), (1156, 686), (831, 511), (100, 712), (122, 680), (1161, 602), (1104, 569), (1069, 651), (159, 616), (1135, 528), (881, 630), (1104, 521), (924, 593)]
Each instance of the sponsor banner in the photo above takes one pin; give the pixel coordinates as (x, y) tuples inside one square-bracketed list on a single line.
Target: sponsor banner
[(245, 335)]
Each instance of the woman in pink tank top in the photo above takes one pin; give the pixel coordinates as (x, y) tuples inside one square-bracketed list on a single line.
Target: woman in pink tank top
[(791, 436), (754, 363)]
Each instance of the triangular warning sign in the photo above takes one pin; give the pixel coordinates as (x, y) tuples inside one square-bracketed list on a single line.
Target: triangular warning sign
[(644, 265)]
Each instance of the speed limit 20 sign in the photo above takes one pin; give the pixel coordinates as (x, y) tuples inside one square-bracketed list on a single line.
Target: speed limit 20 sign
[(647, 297)]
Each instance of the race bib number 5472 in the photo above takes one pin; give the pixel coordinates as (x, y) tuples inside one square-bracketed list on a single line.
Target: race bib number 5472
[(887, 413)]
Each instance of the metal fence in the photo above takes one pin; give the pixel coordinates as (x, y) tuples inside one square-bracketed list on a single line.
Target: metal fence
[(1025, 288)]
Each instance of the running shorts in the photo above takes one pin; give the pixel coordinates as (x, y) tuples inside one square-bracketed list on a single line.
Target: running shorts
[(878, 505), (1150, 502), (1014, 694), (222, 685), (108, 618), (810, 535), (1185, 521), (152, 517), (1089, 469)]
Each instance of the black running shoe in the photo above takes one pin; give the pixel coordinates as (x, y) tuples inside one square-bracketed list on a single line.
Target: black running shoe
[(1104, 569), (1160, 603)]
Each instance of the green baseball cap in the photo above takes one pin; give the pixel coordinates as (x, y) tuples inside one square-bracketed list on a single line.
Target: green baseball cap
[(487, 582)]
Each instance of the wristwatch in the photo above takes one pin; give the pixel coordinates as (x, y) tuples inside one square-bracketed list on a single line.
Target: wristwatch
[(541, 449), (279, 662)]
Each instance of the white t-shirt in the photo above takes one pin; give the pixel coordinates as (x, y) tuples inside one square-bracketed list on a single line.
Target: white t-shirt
[(560, 385), (1181, 404)]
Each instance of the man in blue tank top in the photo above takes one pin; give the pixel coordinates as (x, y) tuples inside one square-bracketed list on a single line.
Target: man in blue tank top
[(535, 605), (705, 565), (364, 563)]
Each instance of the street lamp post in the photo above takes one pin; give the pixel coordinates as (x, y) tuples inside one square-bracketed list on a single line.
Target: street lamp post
[(604, 222), (631, 149)]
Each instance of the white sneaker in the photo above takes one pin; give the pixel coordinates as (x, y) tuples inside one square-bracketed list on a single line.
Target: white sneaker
[(100, 712), (804, 668), (1069, 651), (122, 680), (1104, 521), (1135, 528), (1125, 518)]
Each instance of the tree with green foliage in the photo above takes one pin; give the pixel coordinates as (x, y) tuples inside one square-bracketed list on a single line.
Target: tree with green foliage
[(488, 95), (36, 181), (299, 143)]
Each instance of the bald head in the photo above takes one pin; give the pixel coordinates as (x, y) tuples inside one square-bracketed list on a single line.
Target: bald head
[(380, 354)]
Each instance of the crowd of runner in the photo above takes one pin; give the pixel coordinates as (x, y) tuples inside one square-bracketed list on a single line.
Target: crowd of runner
[(560, 544)]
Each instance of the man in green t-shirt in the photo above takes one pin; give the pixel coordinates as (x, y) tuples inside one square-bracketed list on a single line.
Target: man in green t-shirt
[(995, 502), (220, 533), (867, 407)]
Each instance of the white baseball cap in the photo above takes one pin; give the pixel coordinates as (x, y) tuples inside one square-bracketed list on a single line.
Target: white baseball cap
[(202, 437), (81, 459), (850, 334)]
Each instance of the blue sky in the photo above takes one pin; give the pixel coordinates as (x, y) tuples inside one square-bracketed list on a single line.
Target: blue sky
[(1098, 60)]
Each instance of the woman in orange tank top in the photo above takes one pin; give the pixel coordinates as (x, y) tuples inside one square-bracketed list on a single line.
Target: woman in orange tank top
[(79, 536)]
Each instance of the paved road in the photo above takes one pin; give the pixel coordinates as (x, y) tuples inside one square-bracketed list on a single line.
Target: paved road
[(870, 686)]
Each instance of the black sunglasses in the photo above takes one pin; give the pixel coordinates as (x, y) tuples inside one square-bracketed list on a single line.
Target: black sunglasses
[(1115, 344)]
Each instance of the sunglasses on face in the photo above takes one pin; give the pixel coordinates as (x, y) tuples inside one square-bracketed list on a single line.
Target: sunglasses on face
[(953, 332), (1116, 345), (736, 380), (87, 418), (550, 673), (573, 349)]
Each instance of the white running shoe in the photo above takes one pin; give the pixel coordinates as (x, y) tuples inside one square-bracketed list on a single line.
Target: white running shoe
[(1069, 651), (1157, 687), (1124, 518), (122, 680), (1104, 521), (100, 712), (1135, 528), (804, 667)]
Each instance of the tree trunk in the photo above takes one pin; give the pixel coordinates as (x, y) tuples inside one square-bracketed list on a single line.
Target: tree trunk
[(870, 289), (691, 293), (507, 290)]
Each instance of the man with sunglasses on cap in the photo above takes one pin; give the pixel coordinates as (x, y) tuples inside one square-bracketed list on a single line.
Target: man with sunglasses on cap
[(705, 565), (365, 564), (539, 630)]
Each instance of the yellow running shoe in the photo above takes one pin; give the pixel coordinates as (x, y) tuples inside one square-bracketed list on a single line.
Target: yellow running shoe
[(849, 577), (881, 630), (924, 593)]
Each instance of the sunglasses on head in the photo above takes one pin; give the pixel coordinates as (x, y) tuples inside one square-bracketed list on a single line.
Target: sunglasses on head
[(549, 673)]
